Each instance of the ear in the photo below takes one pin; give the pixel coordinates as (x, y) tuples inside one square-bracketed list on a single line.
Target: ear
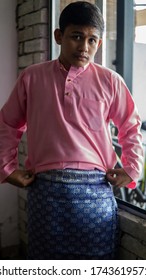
[(99, 43), (58, 36)]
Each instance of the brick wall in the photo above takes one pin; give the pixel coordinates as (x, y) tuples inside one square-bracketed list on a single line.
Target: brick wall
[(133, 237), (33, 47), (32, 25)]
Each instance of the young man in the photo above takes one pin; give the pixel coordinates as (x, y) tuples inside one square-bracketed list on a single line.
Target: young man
[(67, 105)]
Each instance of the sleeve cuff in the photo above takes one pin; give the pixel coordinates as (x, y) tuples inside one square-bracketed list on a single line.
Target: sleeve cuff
[(131, 185)]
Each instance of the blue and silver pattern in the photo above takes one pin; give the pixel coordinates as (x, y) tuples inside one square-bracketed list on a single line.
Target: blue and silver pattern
[(72, 214)]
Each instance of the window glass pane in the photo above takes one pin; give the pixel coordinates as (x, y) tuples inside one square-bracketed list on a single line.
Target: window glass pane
[(139, 82), (139, 57), (109, 52)]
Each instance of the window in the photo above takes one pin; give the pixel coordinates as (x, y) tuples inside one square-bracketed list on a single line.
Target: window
[(139, 57), (139, 84)]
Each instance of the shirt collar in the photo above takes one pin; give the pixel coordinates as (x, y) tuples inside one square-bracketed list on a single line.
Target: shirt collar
[(73, 69)]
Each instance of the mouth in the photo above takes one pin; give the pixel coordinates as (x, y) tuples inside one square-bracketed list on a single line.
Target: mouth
[(81, 57)]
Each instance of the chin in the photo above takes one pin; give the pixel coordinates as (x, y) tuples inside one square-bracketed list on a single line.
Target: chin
[(80, 64)]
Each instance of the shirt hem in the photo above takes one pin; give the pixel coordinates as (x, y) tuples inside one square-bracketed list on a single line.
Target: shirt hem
[(79, 166)]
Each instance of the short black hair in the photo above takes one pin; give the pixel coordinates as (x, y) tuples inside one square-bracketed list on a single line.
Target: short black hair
[(82, 13)]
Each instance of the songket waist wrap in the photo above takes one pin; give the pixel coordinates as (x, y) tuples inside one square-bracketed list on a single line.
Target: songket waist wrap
[(72, 214)]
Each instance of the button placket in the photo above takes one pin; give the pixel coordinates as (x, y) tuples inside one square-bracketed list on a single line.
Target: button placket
[(68, 98), (68, 102)]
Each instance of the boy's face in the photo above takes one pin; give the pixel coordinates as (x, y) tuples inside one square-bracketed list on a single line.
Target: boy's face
[(79, 45)]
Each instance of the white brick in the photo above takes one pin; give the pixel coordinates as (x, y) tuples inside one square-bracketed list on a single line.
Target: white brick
[(40, 30), (25, 8), (20, 1), (126, 255), (134, 246), (21, 148), (25, 60), (36, 17), (25, 34), (133, 225), (24, 137), (39, 4), (20, 49), (22, 159), (21, 22), (22, 204), (23, 193), (40, 57), (35, 45)]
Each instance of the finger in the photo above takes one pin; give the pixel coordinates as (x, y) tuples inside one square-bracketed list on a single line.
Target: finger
[(116, 172), (112, 180), (111, 176), (25, 178), (110, 171), (120, 182), (28, 179), (28, 176)]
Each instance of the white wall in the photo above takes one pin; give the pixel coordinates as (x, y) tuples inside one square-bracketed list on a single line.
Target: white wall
[(8, 74)]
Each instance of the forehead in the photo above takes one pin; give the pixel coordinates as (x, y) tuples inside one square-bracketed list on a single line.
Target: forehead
[(79, 29)]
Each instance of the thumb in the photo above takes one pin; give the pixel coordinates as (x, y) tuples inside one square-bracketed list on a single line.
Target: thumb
[(111, 171), (111, 175), (29, 177), (28, 174)]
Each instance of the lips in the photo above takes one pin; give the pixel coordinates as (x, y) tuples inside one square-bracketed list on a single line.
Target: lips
[(81, 57)]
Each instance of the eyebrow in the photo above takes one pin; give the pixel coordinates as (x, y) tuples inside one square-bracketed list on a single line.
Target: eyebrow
[(81, 33)]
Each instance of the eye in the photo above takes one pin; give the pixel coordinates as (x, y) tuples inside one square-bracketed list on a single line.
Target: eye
[(92, 41), (76, 37)]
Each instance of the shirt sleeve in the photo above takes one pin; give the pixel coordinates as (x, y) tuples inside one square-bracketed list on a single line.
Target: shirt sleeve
[(12, 126), (125, 116)]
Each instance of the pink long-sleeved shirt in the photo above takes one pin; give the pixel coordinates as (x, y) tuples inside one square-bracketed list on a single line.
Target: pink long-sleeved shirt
[(67, 116)]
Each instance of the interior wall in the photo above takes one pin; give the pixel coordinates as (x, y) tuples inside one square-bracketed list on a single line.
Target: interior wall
[(8, 74)]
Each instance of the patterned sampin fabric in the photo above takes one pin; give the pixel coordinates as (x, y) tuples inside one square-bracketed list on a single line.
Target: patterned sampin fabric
[(72, 214)]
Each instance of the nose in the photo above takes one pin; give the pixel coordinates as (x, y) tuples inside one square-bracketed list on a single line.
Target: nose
[(84, 45)]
